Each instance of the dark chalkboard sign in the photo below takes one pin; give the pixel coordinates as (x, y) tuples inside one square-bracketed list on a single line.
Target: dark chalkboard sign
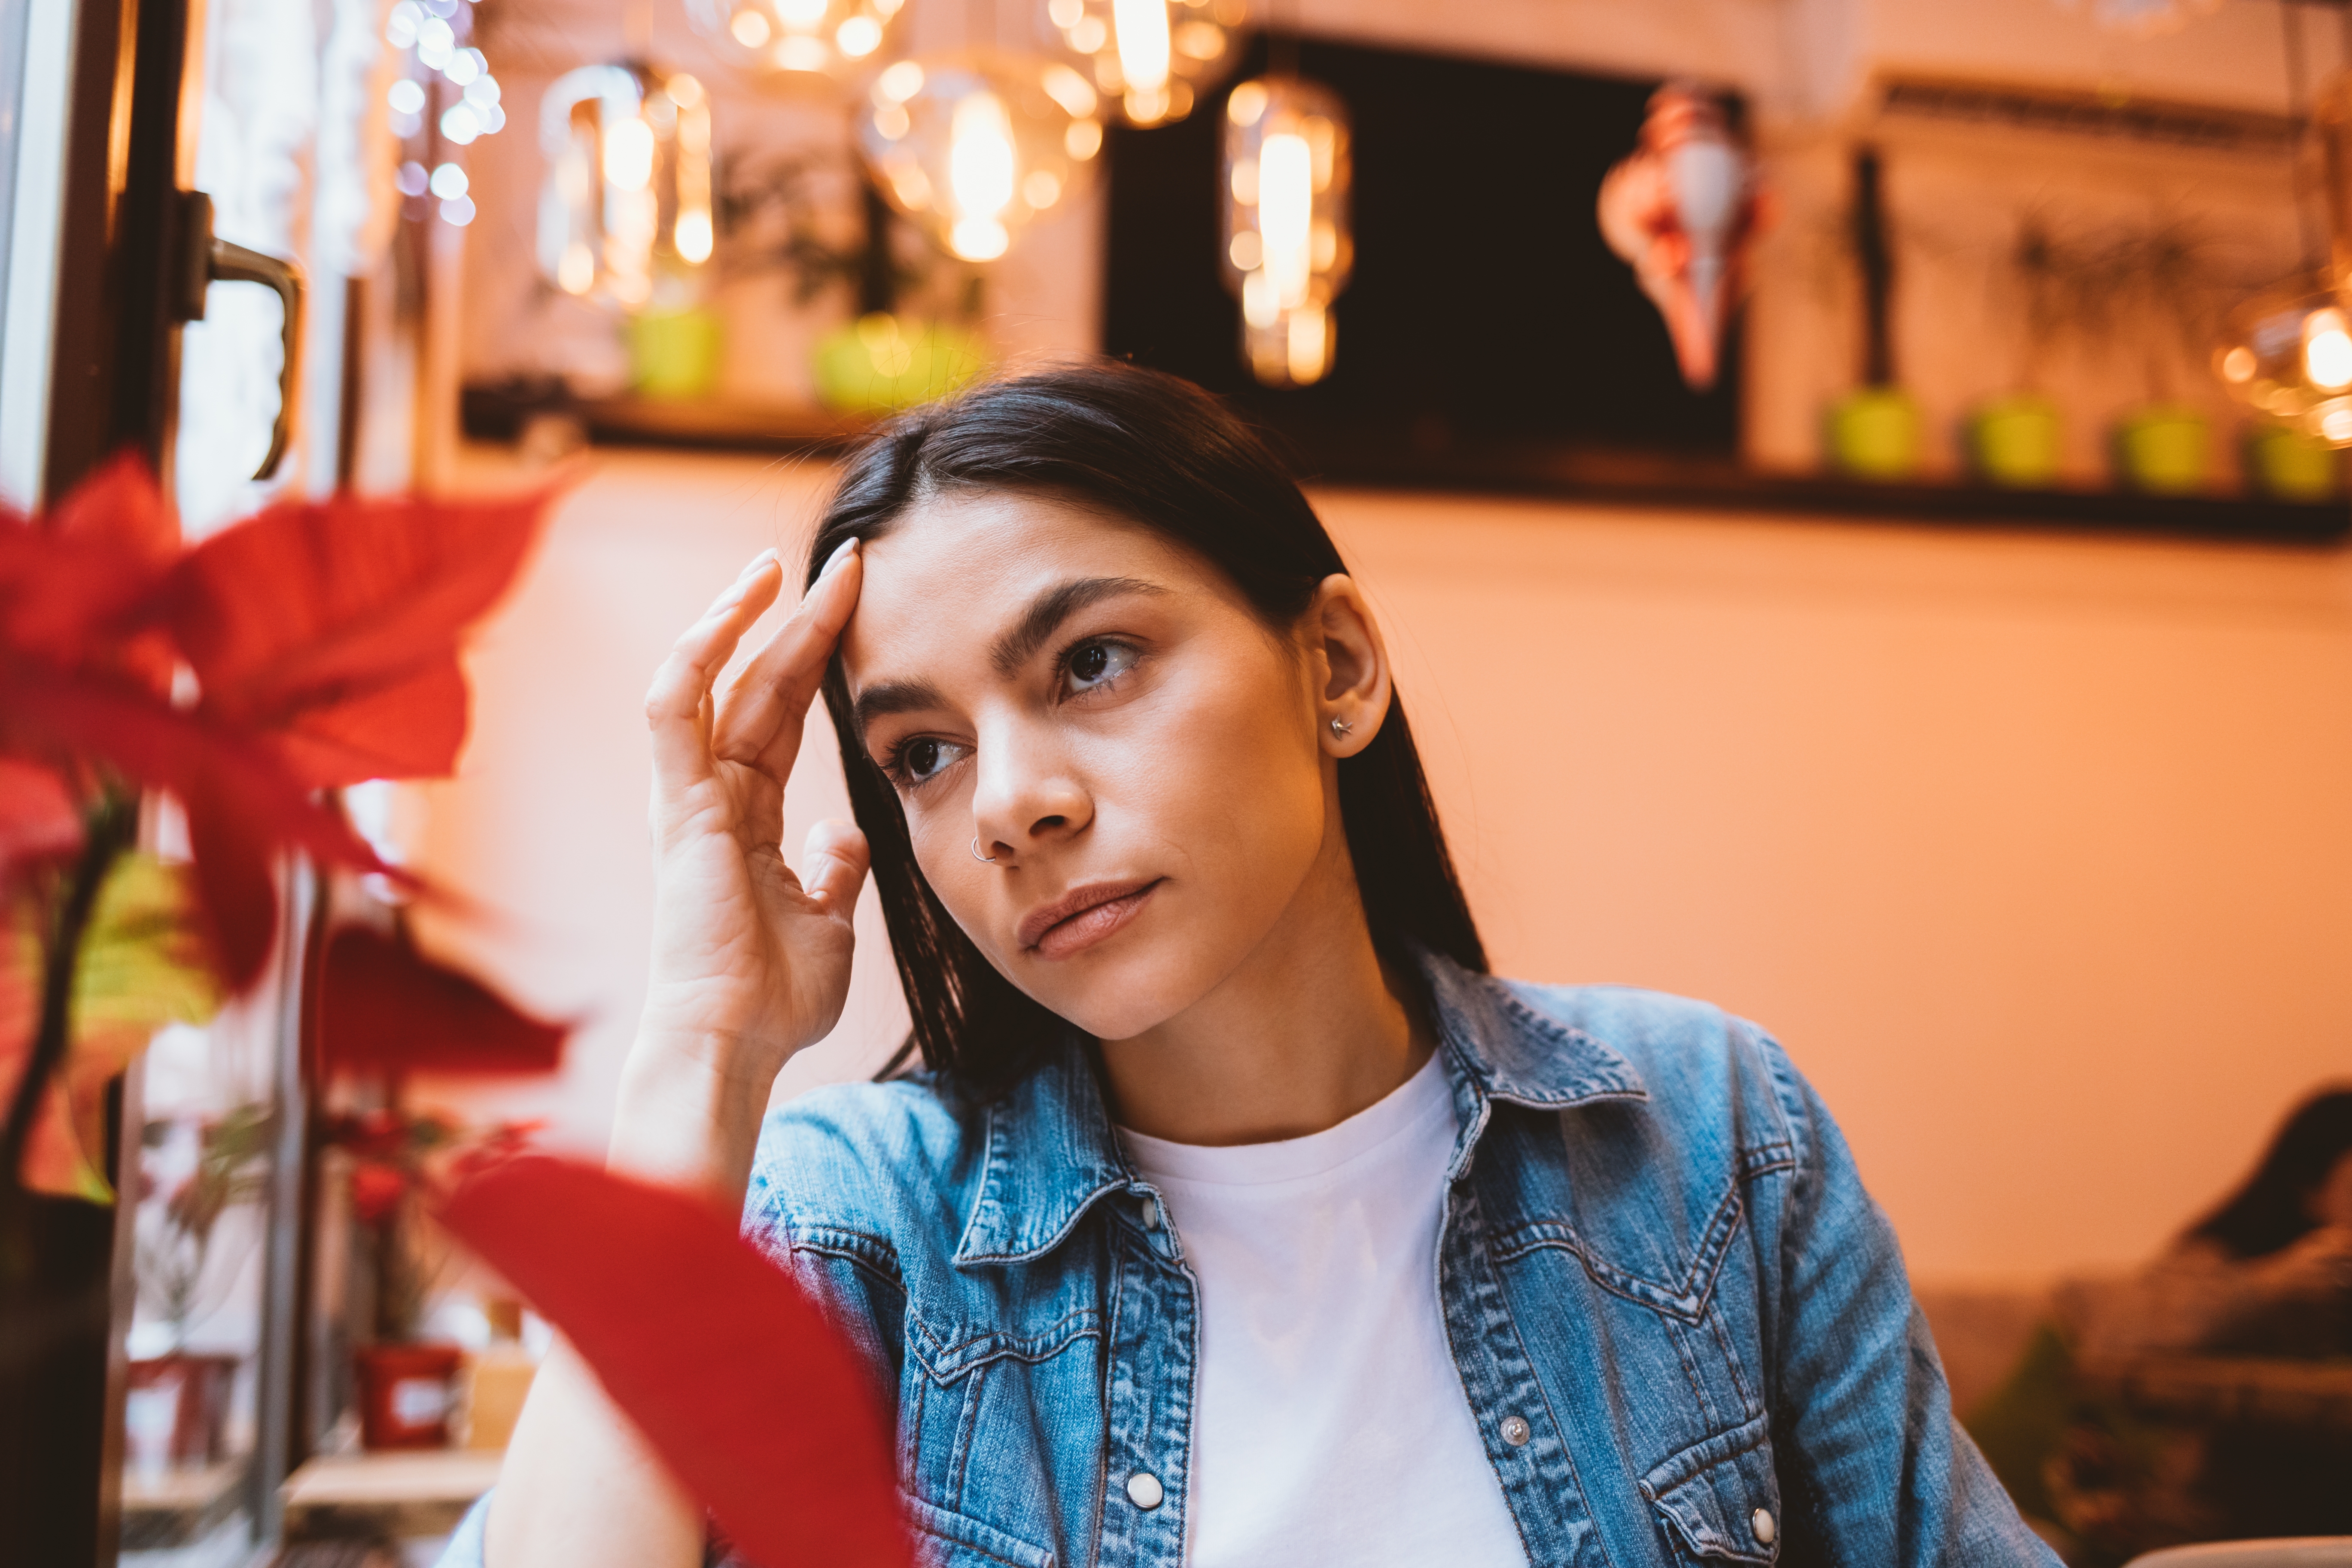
[(1486, 312)]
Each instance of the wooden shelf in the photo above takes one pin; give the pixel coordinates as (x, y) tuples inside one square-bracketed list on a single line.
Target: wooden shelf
[(1445, 464), (386, 1495)]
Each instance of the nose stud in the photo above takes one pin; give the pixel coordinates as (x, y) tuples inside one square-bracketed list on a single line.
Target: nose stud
[(985, 859)]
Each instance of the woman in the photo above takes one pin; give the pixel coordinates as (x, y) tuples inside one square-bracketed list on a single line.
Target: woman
[(1239, 1216), (2268, 1272)]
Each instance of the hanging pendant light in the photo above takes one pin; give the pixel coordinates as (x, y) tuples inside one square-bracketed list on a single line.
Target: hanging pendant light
[(973, 145), (2288, 350), (790, 39), (1288, 245), (1152, 57), (625, 217)]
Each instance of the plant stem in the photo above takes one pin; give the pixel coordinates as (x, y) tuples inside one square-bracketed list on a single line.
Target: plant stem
[(112, 826)]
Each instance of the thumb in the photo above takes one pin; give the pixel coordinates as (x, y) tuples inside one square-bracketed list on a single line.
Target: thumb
[(832, 866)]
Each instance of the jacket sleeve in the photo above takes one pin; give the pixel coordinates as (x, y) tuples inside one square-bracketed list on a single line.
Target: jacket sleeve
[(1874, 1469)]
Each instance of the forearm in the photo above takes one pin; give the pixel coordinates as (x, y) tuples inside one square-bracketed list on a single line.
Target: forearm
[(580, 1489)]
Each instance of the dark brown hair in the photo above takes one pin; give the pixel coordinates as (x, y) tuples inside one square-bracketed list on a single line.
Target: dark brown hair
[(2272, 1211), (1138, 445)]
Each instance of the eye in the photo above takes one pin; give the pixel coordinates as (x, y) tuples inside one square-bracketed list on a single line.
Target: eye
[(925, 757), (1093, 665)]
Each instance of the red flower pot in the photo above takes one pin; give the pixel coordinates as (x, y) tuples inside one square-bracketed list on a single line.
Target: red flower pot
[(406, 1393), (188, 1395)]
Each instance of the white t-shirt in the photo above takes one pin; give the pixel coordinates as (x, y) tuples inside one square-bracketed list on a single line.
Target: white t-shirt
[(1332, 1425)]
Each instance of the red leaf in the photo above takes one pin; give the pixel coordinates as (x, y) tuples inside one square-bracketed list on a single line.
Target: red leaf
[(759, 1405), (242, 804), (410, 730), (73, 585), (331, 621), (37, 815), (388, 1005)]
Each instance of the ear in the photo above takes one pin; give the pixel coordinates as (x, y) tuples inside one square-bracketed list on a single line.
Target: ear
[(1350, 663)]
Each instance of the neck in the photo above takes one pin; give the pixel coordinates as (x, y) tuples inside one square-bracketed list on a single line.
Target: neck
[(1310, 1030)]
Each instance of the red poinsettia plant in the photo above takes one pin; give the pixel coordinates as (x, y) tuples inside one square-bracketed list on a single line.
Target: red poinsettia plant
[(312, 646), (239, 680)]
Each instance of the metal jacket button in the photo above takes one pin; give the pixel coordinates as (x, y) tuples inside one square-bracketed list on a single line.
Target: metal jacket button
[(1514, 1431), (1765, 1529), (1143, 1490)]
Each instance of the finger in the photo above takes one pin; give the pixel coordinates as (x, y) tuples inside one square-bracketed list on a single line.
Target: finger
[(832, 866), (759, 720), (675, 704)]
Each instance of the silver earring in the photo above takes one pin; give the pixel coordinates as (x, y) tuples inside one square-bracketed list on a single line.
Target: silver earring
[(1342, 727), (983, 859)]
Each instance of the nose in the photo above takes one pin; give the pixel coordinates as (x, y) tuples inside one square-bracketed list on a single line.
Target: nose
[(1025, 794)]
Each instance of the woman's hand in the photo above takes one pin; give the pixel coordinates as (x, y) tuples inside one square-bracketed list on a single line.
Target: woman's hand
[(750, 962)]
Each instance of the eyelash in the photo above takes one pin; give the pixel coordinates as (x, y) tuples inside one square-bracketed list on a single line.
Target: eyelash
[(894, 767)]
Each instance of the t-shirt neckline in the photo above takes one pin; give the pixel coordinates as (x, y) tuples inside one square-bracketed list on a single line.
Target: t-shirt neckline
[(1421, 1098)]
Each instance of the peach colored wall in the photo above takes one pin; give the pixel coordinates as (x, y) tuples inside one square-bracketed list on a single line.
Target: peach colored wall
[(2036, 851)]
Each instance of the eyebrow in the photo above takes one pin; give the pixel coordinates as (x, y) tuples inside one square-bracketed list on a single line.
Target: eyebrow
[(894, 697), (1049, 609), (1046, 611)]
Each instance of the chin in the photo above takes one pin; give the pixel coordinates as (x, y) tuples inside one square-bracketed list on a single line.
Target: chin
[(1122, 989)]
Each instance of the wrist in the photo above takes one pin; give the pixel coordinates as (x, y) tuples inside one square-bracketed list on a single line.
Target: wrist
[(688, 1115)]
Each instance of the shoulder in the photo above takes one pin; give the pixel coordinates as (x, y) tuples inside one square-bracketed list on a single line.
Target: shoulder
[(871, 1162), (1696, 1072)]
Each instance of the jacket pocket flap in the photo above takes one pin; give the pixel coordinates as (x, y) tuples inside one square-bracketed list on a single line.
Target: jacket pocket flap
[(944, 1540), (1719, 1499)]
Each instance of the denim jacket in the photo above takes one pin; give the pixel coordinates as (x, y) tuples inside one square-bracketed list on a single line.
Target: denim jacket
[(1683, 1327)]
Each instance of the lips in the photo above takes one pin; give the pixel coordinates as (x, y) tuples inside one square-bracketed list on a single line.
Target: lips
[(1083, 917)]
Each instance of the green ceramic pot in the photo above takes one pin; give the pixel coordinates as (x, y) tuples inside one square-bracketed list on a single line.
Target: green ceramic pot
[(880, 362), (2015, 441), (675, 354), (2164, 448), (2292, 465), (1874, 433)]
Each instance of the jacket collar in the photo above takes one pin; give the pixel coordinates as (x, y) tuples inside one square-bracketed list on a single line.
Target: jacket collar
[(1051, 1152)]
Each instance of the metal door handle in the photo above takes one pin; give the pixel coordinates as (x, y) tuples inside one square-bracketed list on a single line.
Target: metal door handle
[(204, 260)]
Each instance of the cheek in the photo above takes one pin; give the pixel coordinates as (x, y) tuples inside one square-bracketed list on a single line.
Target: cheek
[(1226, 777)]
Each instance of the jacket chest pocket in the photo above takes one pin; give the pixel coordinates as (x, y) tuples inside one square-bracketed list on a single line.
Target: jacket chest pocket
[(945, 1540), (1718, 1500)]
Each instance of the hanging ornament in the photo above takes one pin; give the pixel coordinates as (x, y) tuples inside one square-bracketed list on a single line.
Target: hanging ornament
[(1683, 210), (624, 217), (973, 145), (1288, 245), (1152, 57), (795, 38)]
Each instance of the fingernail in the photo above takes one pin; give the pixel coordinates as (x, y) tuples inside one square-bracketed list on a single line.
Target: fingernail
[(841, 553), (758, 560)]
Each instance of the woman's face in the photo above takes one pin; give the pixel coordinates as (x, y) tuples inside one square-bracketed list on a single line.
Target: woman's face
[(1101, 711)]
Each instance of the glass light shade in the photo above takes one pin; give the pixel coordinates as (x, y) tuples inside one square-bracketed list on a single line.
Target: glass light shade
[(1152, 58), (796, 37), (2288, 352), (971, 146), (1288, 246), (625, 217)]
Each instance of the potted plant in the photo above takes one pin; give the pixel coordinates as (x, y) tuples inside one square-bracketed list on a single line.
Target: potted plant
[(2015, 440), (178, 1399), (2148, 291), (886, 357)]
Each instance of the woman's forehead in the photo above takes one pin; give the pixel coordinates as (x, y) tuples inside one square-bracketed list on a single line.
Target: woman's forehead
[(957, 570)]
